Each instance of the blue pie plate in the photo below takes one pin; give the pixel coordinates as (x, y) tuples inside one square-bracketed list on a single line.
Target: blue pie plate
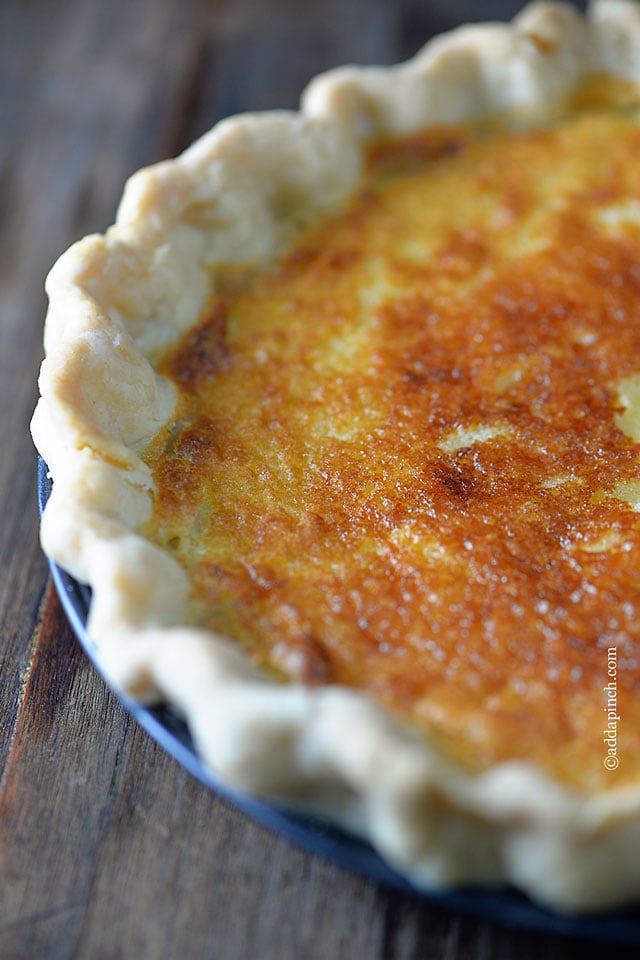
[(506, 906)]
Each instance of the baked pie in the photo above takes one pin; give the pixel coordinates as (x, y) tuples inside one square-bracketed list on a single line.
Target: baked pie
[(343, 417)]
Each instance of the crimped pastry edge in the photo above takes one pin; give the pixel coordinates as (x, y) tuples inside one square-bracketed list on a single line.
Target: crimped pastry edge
[(117, 300)]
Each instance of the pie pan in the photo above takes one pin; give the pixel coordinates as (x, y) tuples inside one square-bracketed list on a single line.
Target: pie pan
[(140, 317), (506, 907)]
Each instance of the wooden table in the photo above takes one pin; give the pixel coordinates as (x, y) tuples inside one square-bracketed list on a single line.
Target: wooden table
[(108, 849)]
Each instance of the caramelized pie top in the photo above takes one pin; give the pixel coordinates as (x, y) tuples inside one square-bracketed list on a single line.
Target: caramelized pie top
[(406, 456)]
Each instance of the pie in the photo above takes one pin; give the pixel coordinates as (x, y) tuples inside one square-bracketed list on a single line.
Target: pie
[(343, 417)]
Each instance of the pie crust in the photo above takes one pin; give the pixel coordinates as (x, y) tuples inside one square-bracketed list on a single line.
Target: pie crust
[(118, 301)]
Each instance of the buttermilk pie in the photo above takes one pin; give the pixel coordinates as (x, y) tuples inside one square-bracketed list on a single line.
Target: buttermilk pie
[(343, 419)]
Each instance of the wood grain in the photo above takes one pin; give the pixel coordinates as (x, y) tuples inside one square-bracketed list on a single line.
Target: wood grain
[(108, 849)]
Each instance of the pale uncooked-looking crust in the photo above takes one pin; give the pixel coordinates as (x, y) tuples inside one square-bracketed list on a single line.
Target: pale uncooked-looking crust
[(117, 300)]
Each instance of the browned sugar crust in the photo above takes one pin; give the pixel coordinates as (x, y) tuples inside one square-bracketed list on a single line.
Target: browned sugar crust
[(406, 458)]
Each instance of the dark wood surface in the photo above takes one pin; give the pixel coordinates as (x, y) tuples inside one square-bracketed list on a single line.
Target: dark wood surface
[(108, 849)]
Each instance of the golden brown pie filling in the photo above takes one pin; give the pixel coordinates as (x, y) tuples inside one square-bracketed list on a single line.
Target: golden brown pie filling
[(406, 457)]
